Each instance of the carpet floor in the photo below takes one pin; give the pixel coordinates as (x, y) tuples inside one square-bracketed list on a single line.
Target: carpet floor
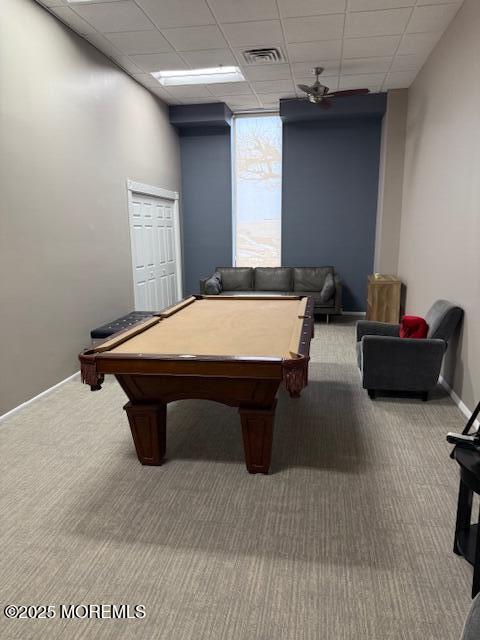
[(349, 537)]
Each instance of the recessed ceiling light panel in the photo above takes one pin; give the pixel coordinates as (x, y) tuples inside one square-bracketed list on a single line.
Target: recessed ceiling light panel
[(199, 76)]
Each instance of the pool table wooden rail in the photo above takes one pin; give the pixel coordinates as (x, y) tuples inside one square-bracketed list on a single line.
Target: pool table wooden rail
[(151, 381)]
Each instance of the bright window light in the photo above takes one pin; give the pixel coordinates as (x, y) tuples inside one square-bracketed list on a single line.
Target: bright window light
[(199, 76)]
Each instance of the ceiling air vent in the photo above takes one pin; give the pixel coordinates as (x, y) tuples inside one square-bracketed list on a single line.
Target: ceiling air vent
[(263, 56)]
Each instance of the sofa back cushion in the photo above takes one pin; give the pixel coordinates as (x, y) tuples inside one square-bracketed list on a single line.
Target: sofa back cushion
[(442, 319), (273, 279), (310, 278), (236, 278)]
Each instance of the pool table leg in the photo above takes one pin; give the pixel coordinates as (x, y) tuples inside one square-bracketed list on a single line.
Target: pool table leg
[(148, 426), (257, 431)]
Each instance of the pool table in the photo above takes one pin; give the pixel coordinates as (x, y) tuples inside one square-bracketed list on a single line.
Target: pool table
[(235, 350)]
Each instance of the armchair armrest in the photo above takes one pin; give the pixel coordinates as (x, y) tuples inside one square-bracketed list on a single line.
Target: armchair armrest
[(338, 293), (371, 328), (401, 364)]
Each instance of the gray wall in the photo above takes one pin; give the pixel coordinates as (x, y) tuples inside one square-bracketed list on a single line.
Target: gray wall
[(390, 188), (73, 128), (329, 202), (206, 202), (440, 228)]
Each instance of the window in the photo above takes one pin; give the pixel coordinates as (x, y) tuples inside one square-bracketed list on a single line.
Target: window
[(257, 191)]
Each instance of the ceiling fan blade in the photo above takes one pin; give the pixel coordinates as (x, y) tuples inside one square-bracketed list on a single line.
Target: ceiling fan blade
[(349, 92), (304, 87)]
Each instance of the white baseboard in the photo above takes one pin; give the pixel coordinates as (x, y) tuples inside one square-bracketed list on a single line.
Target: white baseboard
[(40, 395), (458, 401)]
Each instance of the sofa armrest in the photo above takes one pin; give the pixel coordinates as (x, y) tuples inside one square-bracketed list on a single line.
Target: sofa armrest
[(338, 293), (403, 364), (202, 284), (371, 328)]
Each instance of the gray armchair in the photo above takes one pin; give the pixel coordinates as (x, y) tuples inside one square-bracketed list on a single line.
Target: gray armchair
[(392, 364)]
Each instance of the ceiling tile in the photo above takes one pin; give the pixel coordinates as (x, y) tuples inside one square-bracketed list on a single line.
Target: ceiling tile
[(253, 33), (399, 79), (229, 88), (73, 20), (313, 28), (273, 86), (432, 18), (209, 58), (243, 10), (419, 43), (246, 101), (159, 61), (267, 72), (366, 5), (131, 42), (177, 13), (114, 16), (305, 69), (195, 38), (306, 51), (100, 42), (422, 2), (290, 9), (370, 47), (127, 64), (366, 81), (52, 3), (376, 23), (190, 91), (408, 62), (353, 66)]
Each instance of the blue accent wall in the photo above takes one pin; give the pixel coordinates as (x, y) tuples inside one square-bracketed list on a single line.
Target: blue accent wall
[(206, 201), (329, 200)]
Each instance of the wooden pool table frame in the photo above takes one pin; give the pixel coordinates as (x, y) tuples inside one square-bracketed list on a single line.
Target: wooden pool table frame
[(151, 381)]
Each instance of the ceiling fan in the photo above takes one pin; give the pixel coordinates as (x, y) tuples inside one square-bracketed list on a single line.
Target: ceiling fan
[(319, 94)]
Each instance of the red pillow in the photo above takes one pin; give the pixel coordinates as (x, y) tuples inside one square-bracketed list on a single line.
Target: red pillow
[(413, 327)]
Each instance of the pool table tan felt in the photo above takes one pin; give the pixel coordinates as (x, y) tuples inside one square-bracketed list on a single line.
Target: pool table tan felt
[(231, 350)]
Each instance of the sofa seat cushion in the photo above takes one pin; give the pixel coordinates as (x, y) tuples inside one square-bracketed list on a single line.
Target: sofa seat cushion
[(236, 278), (272, 279), (310, 278)]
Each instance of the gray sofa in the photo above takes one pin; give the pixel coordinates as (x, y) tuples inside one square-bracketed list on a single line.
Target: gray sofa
[(389, 363), (321, 283)]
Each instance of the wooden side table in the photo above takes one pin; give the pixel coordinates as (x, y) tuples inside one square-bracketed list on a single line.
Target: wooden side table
[(467, 540), (383, 298)]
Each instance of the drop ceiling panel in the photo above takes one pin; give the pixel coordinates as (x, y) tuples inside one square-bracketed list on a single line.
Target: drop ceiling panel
[(177, 13), (193, 38), (159, 61), (107, 17), (306, 51), (243, 10), (376, 23), (289, 9), (267, 72), (253, 33), (370, 47), (314, 28), (432, 18), (209, 58), (230, 88), (379, 44), (132, 42)]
